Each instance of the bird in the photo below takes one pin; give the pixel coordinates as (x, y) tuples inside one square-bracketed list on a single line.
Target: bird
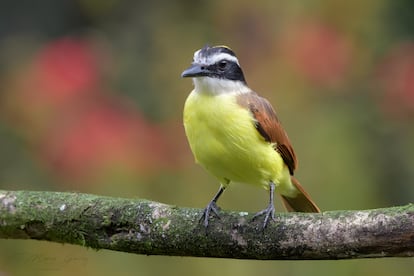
[(236, 136)]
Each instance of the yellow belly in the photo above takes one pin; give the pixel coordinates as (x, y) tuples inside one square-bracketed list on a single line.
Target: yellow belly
[(223, 139)]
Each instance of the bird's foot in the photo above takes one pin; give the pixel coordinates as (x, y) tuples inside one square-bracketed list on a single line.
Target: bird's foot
[(269, 213), (211, 208)]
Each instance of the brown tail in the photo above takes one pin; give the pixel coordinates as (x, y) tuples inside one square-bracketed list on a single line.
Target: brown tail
[(302, 202)]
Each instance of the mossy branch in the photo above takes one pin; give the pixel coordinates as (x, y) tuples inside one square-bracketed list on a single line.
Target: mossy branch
[(152, 228)]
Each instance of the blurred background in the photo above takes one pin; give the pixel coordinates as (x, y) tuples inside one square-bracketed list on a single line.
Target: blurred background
[(91, 101)]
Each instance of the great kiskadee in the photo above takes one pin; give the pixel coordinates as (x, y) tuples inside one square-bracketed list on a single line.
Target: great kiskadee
[(235, 134)]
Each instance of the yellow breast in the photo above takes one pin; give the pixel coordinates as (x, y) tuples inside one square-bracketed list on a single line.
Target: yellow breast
[(224, 141)]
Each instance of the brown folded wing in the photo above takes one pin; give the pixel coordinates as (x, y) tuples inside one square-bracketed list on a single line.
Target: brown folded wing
[(269, 126)]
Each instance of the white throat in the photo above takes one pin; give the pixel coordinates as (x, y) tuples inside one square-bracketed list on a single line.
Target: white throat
[(217, 86)]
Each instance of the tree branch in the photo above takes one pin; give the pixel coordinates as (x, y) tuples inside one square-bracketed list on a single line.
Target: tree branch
[(146, 227)]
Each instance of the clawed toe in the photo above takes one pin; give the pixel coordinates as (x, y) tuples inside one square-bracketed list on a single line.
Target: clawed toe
[(269, 213), (211, 208)]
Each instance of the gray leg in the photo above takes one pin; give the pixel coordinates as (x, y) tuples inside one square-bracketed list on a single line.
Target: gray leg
[(269, 212), (212, 207)]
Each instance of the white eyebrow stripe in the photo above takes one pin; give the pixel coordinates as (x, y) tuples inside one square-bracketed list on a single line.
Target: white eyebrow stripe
[(198, 58), (222, 56), (196, 55)]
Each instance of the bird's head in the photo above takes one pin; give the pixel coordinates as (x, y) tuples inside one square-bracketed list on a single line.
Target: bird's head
[(216, 70)]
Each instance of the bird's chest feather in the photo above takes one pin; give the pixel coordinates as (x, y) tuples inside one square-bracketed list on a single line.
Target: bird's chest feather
[(216, 125), (222, 136)]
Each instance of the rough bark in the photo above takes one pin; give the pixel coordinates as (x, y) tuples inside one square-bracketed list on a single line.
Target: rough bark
[(152, 228)]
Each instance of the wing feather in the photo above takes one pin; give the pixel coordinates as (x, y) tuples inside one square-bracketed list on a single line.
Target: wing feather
[(269, 126)]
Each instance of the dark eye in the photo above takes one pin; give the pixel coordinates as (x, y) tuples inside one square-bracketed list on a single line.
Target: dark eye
[(222, 65)]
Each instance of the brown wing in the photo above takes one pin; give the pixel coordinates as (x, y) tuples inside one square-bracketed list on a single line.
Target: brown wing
[(269, 126)]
